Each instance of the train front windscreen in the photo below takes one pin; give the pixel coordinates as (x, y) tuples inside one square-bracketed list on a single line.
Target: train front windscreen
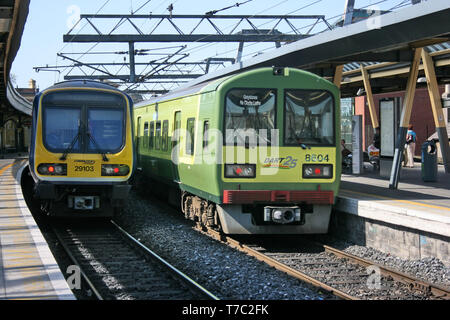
[(91, 123)]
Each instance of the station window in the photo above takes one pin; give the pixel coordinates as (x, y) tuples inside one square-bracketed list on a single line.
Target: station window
[(158, 135), (190, 127), (152, 135), (165, 134)]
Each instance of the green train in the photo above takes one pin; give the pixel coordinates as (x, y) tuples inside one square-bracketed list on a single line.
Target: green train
[(251, 153)]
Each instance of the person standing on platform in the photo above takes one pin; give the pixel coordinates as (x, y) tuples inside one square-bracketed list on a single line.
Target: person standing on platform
[(411, 146), (345, 152)]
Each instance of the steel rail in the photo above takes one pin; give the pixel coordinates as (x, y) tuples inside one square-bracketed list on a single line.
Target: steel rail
[(274, 263), (75, 261), (412, 282), (180, 275)]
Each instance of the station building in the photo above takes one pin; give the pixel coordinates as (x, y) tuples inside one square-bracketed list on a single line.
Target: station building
[(421, 117)]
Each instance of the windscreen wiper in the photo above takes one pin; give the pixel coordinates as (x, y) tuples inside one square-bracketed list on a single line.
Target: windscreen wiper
[(91, 137), (304, 146), (72, 144)]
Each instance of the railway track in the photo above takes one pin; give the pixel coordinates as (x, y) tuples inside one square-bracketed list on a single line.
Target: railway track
[(342, 274), (116, 266)]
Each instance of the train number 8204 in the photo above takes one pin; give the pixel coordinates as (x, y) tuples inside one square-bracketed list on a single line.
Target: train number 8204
[(316, 158)]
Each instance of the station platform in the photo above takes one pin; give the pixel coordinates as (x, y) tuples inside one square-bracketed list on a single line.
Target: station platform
[(28, 269), (412, 221)]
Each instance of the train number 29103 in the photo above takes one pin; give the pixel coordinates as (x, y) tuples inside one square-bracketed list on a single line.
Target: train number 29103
[(84, 168), (316, 157)]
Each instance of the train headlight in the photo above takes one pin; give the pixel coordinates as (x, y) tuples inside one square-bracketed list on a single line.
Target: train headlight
[(52, 169), (240, 170), (317, 171), (115, 169)]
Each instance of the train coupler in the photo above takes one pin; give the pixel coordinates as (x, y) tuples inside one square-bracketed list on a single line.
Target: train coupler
[(282, 215), (83, 202)]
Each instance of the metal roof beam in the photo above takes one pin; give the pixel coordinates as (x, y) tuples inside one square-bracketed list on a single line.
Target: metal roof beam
[(196, 16), (185, 38), (119, 64), (252, 35)]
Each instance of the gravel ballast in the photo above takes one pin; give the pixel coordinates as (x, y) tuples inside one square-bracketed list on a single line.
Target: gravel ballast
[(231, 274), (428, 269), (227, 273)]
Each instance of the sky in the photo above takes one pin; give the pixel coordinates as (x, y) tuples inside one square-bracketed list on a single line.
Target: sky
[(49, 20)]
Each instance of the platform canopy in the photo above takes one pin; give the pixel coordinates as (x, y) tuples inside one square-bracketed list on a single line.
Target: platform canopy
[(13, 15)]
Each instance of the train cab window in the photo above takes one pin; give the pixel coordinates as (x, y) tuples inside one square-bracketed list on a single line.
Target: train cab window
[(106, 125), (146, 135), (61, 128), (205, 134), (158, 135), (250, 116), (308, 117), (152, 135), (93, 122), (190, 139), (165, 135)]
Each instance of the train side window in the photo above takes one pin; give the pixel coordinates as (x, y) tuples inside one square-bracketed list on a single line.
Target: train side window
[(152, 135), (190, 139), (176, 129), (165, 134), (205, 133), (138, 129), (138, 134), (158, 135), (146, 134)]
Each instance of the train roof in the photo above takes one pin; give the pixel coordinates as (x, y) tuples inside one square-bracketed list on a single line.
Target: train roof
[(210, 85), (82, 84), (178, 93)]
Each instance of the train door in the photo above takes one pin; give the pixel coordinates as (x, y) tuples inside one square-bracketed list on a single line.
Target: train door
[(175, 145)]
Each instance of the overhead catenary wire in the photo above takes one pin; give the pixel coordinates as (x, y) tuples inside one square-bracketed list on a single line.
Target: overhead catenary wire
[(334, 17), (401, 4), (211, 44), (201, 47), (265, 49), (212, 12), (120, 22), (98, 11)]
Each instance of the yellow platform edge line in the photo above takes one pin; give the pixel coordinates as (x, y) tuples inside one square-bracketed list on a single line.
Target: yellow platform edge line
[(6, 168), (398, 200)]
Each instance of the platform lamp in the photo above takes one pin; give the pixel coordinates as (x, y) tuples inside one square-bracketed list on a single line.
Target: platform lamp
[(421, 80)]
